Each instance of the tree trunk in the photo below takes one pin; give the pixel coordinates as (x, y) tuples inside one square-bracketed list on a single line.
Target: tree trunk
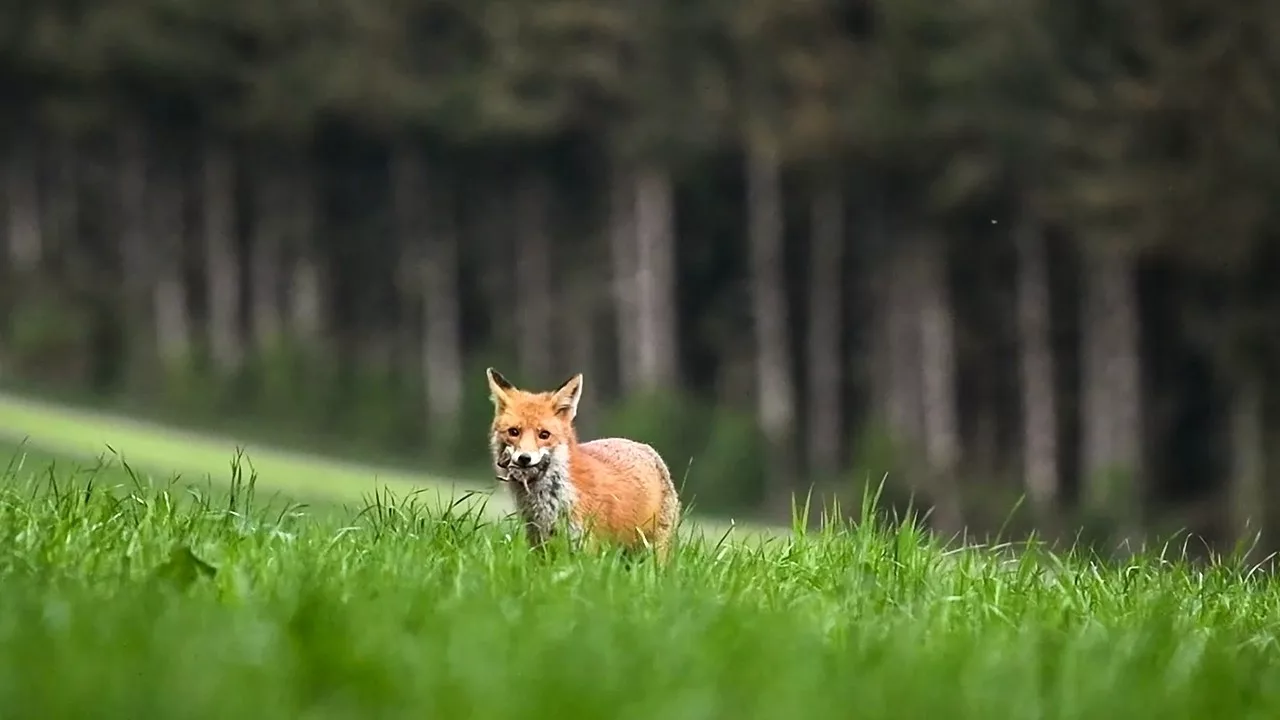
[(167, 238), (655, 278), (1248, 495), (622, 256), (533, 278), (826, 258), (306, 282), (220, 256), (489, 225), (775, 392), (136, 261), (63, 212), (427, 232), (938, 388), (270, 231), (894, 347), (442, 332), (903, 399), (580, 307), (305, 299), (1035, 345), (1110, 378), (22, 194), (132, 184)]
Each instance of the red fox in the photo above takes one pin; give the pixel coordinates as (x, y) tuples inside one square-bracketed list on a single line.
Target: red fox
[(609, 489)]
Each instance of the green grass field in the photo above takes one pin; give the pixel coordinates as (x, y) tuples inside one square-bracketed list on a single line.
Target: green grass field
[(124, 595), (127, 599)]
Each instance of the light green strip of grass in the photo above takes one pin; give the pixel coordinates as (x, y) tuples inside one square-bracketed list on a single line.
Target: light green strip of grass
[(158, 449), (154, 448)]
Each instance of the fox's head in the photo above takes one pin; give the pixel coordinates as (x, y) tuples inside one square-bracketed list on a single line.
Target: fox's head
[(530, 426)]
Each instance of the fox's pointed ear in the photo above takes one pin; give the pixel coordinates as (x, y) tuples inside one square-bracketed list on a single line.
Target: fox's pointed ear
[(567, 396), (498, 387)]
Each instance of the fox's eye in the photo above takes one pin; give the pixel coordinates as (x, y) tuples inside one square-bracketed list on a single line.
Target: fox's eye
[(543, 434), (513, 432)]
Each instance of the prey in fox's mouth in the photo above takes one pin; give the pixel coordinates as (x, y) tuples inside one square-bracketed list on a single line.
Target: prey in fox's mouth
[(524, 469)]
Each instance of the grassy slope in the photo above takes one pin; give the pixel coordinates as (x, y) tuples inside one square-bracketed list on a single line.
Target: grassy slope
[(87, 434), (402, 613), (153, 448)]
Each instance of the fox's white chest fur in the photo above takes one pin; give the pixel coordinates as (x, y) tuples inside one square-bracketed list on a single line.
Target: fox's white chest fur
[(544, 496)]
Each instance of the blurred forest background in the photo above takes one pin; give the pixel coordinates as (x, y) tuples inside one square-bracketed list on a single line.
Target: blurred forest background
[(996, 249)]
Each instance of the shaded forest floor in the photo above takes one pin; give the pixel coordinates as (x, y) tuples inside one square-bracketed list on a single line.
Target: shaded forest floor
[(128, 598)]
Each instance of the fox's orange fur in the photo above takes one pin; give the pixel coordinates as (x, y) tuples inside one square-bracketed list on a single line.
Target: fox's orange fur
[(612, 489)]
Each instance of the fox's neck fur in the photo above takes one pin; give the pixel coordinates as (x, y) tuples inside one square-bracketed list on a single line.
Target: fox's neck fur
[(544, 496)]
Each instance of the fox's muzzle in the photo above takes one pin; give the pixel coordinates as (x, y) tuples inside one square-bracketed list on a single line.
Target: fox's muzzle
[(528, 458), (523, 459)]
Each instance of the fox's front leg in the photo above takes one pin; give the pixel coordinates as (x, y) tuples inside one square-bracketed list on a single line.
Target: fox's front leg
[(578, 540), (536, 536), (540, 538)]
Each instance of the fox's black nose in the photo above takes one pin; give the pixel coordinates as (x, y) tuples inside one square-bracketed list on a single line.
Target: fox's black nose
[(523, 459)]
